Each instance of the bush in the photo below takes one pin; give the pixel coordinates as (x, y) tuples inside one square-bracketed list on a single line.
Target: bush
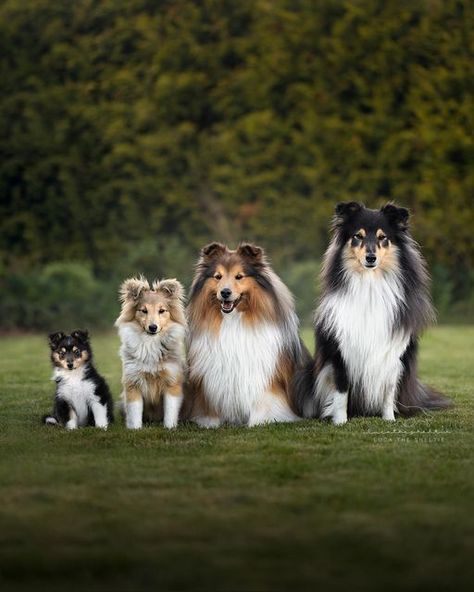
[(57, 296)]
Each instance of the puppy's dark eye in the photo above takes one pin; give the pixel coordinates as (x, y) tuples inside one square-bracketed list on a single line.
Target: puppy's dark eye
[(143, 310), (382, 237), (239, 276), (161, 311), (358, 236), (217, 276), (77, 353)]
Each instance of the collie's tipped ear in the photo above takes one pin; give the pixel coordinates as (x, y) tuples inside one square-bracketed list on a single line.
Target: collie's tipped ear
[(81, 334), (171, 288), (250, 251), (213, 250), (348, 209), (398, 217), (131, 289), (55, 338)]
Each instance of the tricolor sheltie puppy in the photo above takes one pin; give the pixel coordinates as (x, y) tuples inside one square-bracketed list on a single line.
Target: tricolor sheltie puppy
[(152, 327), (244, 348), (374, 305), (82, 396)]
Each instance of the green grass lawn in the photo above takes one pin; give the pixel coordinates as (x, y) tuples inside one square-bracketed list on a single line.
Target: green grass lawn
[(366, 506)]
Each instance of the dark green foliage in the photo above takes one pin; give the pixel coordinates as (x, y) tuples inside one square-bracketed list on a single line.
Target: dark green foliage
[(127, 122)]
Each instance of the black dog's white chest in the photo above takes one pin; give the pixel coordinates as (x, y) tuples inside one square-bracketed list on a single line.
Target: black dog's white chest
[(78, 392)]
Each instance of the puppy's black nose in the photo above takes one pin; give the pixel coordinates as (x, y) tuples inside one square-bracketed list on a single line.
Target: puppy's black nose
[(226, 293), (70, 365), (371, 258), (152, 328)]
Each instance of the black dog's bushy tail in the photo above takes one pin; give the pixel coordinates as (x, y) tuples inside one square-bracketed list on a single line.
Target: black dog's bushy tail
[(414, 396), (420, 397)]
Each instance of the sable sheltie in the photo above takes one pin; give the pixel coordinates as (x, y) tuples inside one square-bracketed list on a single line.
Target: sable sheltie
[(244, 348), (152, 327), (375, 303), (82, 396)]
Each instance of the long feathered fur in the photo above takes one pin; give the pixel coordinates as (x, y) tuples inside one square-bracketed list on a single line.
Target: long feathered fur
[(368, 323), (242, 365)]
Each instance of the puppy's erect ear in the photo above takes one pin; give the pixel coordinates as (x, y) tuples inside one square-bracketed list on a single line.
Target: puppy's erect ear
[(81, 335), (55, 338), (132, 288), (213, 250), (171, 288), (398, 217), (251, 252)]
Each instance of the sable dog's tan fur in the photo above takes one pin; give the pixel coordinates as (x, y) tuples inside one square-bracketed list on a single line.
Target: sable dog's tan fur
[(152, 327)]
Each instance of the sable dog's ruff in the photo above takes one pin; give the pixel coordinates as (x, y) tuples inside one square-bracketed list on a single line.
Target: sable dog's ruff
[(152, 327), (244, 349), (82, 396), (374, 305)]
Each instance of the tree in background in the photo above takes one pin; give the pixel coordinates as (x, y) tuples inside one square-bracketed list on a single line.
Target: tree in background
[(132, 132)]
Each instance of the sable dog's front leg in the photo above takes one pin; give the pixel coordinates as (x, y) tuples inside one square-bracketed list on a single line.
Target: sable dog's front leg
[(133, 407), (172, 404)]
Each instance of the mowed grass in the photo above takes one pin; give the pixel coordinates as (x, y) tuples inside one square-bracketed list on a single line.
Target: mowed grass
[(366, 506)]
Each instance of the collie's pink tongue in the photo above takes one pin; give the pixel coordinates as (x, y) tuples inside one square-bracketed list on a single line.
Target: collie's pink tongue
[(227, 306)]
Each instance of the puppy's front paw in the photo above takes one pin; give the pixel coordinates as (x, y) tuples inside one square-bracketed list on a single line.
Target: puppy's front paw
[(339, 419)]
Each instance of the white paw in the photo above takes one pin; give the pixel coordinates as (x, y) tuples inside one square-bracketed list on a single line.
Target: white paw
[(71, 425), (170, 424), (339, 419), (388, 415), (207, 422)]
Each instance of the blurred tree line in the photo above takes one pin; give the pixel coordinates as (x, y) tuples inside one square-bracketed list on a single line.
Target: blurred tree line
[(134, 131)]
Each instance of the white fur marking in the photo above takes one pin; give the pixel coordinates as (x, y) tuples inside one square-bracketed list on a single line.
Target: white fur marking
[(79, 393), (361, 316), (100, 415), (134, 414), (237, 367), (172, 405)]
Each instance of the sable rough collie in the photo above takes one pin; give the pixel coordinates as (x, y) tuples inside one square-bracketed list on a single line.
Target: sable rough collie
[(82, 396), (152, 327), (374, 305), (244, 348)]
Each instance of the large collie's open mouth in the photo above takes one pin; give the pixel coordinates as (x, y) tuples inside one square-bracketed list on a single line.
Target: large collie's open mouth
[(228, 306)]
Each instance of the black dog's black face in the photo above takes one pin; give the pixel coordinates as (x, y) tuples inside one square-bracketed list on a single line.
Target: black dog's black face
[(370, 237), (69, 351)]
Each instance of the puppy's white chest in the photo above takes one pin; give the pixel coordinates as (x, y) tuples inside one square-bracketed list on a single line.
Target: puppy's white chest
[(79, 393), (237, 365)]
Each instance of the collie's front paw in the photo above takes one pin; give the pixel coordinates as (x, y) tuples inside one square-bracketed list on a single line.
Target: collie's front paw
[(207, 422), (71, 425), (388, 414), (170, 424)]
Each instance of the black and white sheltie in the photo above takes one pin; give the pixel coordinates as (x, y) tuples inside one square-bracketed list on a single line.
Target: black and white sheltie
[(374, 305), (244, 349), (82, 396)]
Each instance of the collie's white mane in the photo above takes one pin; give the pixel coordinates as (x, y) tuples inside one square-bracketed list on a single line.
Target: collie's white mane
[(362, 317)]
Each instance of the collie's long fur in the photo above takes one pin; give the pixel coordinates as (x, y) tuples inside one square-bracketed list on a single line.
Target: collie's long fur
[(152, 327), (375, 303), (244, 348)]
